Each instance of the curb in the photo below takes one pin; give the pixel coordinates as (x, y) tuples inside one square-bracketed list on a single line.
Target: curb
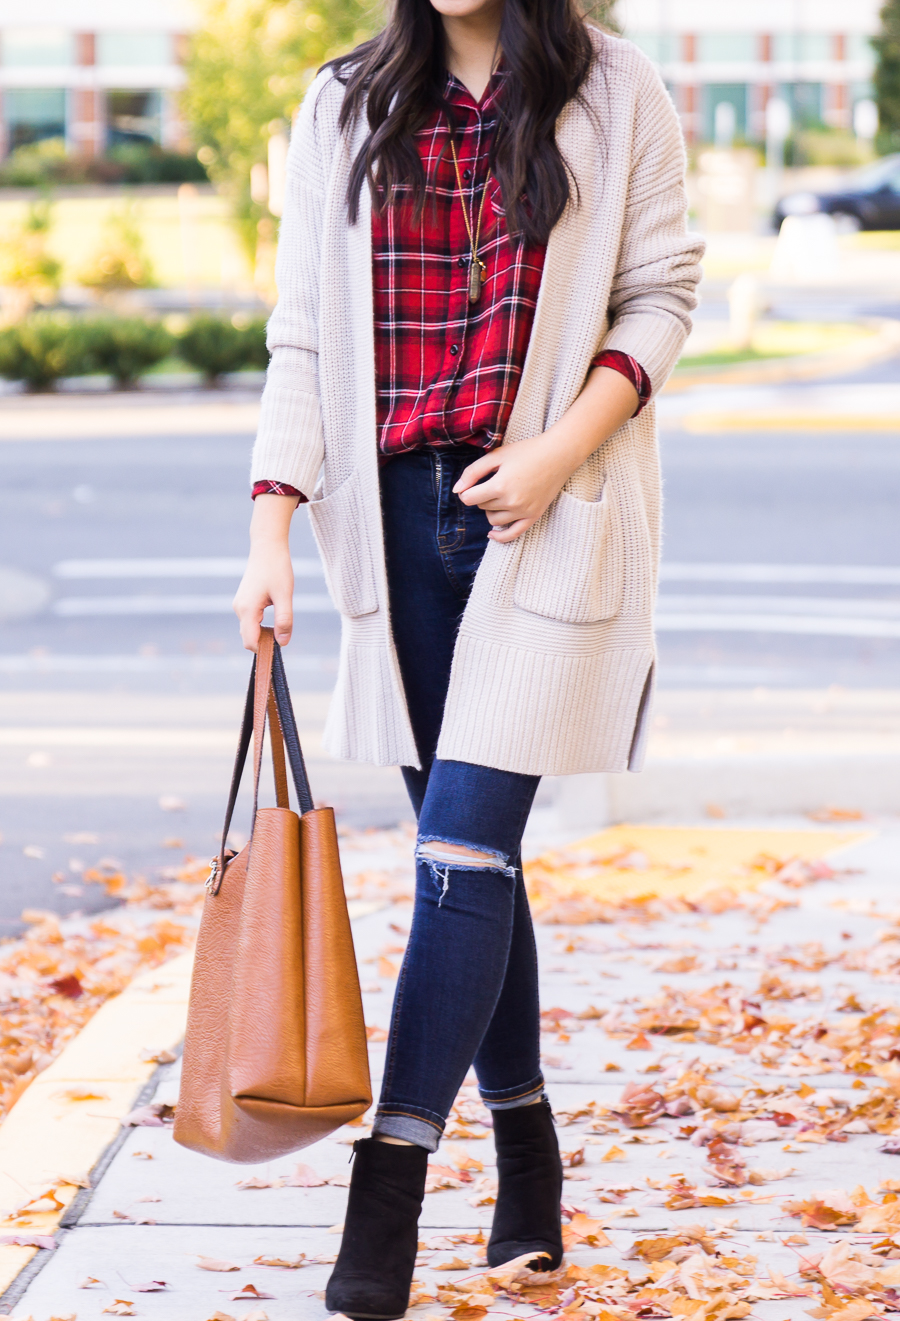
[(803, 367), (50, 1136)]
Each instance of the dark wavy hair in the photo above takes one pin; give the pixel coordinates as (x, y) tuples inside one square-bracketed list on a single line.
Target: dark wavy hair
[(398, 80)]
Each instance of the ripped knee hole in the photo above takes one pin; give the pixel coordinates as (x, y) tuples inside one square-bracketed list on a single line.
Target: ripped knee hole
[(437, 851)]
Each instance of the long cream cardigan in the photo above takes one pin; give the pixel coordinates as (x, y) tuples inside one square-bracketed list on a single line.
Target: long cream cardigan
[(553, 667)]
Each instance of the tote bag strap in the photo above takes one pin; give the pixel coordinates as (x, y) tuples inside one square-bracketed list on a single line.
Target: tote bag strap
[(265, 698), (289, 732)]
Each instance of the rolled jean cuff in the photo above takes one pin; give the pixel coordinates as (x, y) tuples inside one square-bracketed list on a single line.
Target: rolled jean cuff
[(513, 1097), (408, 1127)]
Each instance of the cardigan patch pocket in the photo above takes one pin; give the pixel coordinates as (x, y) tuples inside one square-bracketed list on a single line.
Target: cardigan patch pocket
[(571, 567), (339, 524)]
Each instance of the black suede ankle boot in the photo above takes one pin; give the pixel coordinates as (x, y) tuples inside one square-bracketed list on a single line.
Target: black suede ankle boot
[(374, 1269), (526, 1216)]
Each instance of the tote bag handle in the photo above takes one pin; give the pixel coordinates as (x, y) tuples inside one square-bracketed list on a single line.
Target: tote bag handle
[(268, 697)]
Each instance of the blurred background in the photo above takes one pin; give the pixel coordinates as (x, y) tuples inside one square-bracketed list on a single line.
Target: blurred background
[(142, 152)]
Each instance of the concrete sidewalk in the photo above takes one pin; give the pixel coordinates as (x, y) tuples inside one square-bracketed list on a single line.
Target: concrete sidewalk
[(741, 1013)]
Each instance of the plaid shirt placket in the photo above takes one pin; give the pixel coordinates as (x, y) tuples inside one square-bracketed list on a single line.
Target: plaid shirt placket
[(447, 371)]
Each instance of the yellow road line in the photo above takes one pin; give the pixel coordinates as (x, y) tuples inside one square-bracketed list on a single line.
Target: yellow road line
[(787, 420)]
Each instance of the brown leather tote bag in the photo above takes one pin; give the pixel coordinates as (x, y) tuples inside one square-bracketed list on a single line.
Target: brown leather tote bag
[(275, 1051)]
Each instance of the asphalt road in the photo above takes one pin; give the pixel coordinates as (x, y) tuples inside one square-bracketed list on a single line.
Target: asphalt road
[(118, 558)]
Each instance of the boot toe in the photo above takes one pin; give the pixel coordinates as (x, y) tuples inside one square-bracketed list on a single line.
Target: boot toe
[(498, 1254), (362, 1299)]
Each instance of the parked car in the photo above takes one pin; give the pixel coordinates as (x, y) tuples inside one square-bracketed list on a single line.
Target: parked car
[(869, 198)]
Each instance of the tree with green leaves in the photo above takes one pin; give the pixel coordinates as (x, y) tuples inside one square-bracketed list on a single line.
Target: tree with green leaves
[(887, 77), (249, 65)]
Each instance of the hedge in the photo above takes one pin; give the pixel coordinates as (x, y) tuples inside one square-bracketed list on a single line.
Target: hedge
[(48, 345)]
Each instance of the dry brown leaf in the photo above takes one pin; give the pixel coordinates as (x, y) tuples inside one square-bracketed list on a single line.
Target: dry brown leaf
[(257, 1181), (304, 1176), (81, 1093), (582, 1229), (572, 1158), (614, 1153), (29, 1240), (120, 1307), (155, 1115), (286, 1263), (250, 1291), (639, 1105), (89, 1281), (157, 1056), (213, 1264), (150, 1286)]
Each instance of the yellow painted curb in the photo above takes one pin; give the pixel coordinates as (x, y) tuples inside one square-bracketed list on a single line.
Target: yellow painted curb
[(47, 1136)]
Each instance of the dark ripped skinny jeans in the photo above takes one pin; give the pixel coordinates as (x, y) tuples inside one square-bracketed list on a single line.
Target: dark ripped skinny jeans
[(468, 988)]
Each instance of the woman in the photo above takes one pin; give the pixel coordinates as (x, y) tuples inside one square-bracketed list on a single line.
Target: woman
[(484, 276)]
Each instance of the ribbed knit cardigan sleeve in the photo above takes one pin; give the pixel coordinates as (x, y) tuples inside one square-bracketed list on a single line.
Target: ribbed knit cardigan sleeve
[(658, 269), (289, 445)]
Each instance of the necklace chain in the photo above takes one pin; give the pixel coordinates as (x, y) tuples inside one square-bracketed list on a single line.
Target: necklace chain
[(477, 268)]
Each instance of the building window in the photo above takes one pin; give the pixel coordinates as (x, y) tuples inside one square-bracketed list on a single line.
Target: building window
[(859, 47), (661, 47), (727, 47), (134, 48), (806, 101), (34, 48), (733, 94), (802, 47), (132, 117), (33, 114)]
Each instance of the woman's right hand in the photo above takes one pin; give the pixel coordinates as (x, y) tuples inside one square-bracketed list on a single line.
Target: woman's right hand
[(269, 576)]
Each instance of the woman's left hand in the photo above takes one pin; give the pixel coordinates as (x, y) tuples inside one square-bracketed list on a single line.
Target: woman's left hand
[(527, 478), (524, 479)]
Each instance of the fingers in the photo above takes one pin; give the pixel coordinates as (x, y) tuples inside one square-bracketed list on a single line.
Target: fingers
[(513, 530), (250, 617), (284, 620), (475, 472)]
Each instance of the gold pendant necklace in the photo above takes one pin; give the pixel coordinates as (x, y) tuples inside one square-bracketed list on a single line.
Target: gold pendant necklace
[(477, 268)]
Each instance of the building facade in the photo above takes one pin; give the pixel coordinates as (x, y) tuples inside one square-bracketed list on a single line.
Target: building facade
[(815, 55), (95, 73), (102, 72)]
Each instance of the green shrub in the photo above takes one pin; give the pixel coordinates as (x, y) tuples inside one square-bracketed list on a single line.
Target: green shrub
[(126, 347), (41, 164), (254, 331), (42, 348), (214, 345)]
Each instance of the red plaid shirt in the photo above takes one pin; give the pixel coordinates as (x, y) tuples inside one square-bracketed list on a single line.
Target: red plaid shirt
[(447, 371)]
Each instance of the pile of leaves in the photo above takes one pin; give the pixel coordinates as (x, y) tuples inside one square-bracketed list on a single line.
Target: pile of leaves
[(56, 977)]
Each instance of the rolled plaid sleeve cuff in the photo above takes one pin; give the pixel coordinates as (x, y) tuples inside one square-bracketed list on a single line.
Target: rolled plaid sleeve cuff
[(282, 488), (622, 362)]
